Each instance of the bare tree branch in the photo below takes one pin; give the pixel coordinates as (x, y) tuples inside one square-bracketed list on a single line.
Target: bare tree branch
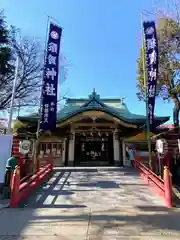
[(29, 73)]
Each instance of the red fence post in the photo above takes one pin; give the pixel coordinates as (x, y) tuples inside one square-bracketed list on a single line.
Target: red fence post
[(15, 183), (167, 187)]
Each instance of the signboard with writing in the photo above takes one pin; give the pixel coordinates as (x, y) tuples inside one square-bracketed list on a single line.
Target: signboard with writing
[(50, 80), (151, 46)]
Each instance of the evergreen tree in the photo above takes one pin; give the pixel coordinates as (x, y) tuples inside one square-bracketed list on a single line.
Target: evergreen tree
[(5, 50)]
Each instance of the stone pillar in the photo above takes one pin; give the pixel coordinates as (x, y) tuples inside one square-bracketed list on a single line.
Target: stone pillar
[(125, 160), (64, 151), (71, 148), (121, 153), (116, 147)]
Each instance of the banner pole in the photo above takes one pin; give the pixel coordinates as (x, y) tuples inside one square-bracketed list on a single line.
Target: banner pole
[(13, 94), (40, 103), (146, 93)]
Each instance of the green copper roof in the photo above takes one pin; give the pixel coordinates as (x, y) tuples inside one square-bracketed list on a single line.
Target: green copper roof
[(95, 103)]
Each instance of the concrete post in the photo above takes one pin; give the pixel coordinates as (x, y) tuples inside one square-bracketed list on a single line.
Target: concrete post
[(116, 147), (71, 148), (64, 152)]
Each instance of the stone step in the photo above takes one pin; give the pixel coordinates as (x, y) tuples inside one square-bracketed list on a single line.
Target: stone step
[(94, 163)]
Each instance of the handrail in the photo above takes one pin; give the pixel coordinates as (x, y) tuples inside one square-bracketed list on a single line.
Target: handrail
[(33, 178), (150, 172), (157, 181), (25, 178), (147, 170), (22, 190), (162, 186)]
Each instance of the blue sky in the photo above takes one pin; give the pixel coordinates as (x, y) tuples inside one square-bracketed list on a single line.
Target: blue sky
[(101, 39)]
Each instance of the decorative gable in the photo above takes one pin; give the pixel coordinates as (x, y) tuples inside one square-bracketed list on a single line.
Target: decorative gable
[(94, 101)]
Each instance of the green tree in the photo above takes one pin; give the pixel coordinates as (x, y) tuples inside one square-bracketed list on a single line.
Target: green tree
[(168, 84), (5, 50), (18, 125)]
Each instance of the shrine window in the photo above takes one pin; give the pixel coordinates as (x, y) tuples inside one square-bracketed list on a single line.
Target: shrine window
[(50, 149)]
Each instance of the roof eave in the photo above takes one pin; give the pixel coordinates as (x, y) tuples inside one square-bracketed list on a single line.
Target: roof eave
[(128, 121), (158, 121)]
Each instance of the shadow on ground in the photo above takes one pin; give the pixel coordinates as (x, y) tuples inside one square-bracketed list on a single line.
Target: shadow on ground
[(99, 184), (40, 198), (153, 222), (48, 218)]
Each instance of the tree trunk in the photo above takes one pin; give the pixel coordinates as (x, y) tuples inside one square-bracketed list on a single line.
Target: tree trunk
[(176, 112)]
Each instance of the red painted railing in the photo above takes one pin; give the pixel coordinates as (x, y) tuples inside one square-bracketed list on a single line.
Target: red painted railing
[(163, 187), (21, 190)]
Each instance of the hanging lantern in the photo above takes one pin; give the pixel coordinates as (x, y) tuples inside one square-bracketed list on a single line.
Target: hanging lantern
[(102, 147), (48, 151), (58, 152), (41, 154), (82, 147)]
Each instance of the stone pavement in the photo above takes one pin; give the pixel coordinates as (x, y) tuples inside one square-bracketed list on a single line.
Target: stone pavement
[(3, 202), (92, 204)]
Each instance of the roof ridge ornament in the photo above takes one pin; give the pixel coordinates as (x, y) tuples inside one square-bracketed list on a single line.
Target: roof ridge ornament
[(122, 100), (94, 95)]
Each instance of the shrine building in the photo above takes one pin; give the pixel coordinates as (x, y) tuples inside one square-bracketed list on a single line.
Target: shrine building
[(90, 131)]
